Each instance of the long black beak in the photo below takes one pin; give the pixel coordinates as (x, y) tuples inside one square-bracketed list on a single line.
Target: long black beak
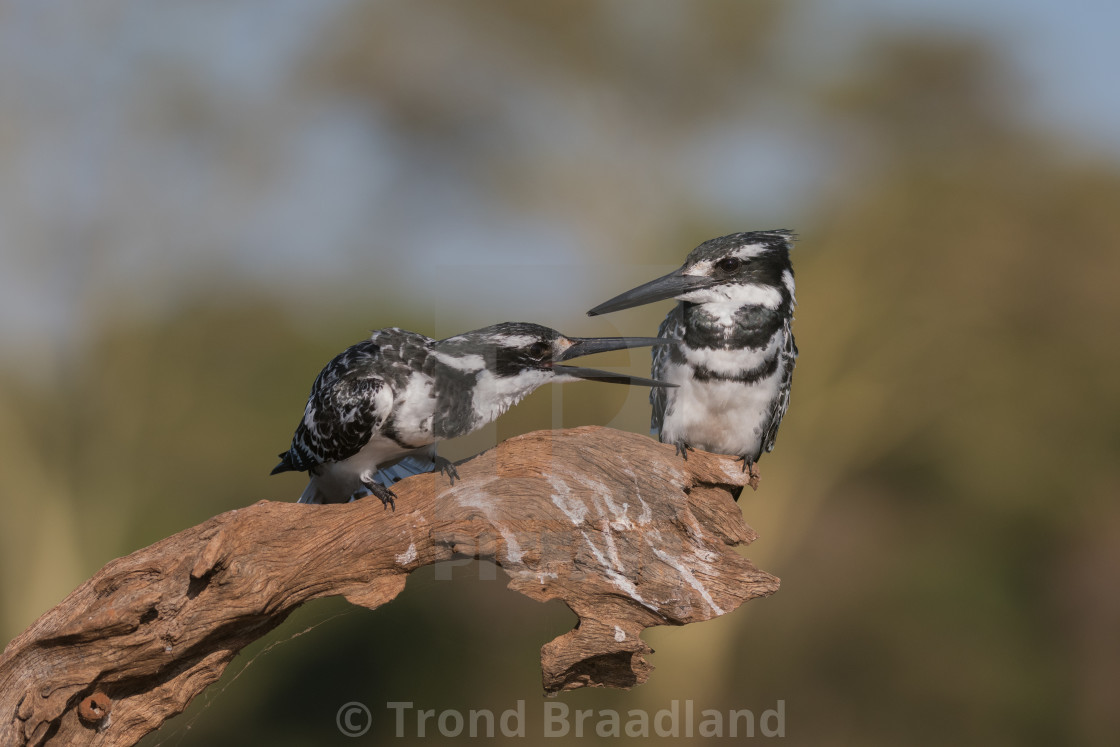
[(589, 345), (611, 377), (672, 285)]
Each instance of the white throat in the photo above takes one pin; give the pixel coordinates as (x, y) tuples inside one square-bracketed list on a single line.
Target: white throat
[(493, 395)]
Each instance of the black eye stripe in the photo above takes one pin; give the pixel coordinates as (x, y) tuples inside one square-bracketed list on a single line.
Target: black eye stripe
[(729, 264)]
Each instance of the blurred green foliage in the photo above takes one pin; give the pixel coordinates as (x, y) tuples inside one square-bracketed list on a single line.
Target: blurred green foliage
[(941, 505)]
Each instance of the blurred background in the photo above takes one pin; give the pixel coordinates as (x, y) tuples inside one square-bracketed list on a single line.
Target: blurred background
[(202, 202)]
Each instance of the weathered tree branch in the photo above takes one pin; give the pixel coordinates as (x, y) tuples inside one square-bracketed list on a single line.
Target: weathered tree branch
[(628, 534)]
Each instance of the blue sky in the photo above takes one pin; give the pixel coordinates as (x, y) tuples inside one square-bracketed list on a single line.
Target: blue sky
[(86, 154), (1065, 51)]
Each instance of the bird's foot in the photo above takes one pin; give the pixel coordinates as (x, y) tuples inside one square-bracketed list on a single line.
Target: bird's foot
[(683, 449), (388, 497), (445, 467), (751, 466)]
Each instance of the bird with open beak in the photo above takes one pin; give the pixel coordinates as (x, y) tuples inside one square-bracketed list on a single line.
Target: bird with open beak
[(398, 393)]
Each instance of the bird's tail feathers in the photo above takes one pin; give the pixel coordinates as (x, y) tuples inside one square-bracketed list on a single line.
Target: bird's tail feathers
[(286, 464)]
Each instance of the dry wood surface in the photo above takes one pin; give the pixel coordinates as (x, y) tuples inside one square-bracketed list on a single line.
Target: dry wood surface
[(616, 525)]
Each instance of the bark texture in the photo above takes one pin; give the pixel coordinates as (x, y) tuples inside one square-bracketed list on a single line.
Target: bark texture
[(625, 532)]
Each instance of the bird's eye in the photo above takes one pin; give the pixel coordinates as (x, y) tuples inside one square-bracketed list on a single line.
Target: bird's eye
[(539, 350), (729, 264)]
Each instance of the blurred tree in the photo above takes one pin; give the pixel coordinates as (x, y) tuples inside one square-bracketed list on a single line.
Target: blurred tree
[(941, 503), (953, 416)]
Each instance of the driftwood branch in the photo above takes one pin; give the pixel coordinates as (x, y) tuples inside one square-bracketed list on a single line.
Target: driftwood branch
[(628, 534)]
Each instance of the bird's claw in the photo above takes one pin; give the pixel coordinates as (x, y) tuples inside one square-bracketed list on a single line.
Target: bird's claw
[(751, 466), (446, 467), (388, 497), (683, 449)]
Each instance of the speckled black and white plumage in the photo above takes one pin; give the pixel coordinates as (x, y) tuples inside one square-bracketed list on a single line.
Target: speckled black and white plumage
[(393, 396), (344, 408), (348, 428), (734, 366)]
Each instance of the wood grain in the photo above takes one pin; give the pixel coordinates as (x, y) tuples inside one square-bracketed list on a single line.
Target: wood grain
[(625, 532)]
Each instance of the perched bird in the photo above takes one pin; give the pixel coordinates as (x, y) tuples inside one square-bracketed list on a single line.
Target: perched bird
[(397, 393), (734, 366)]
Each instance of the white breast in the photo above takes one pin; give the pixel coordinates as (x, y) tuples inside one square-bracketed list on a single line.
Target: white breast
[(734, 361), (725, 417), (414, 409), (493, 395)]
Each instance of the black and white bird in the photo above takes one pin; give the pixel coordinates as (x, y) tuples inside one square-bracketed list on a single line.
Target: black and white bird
[(397, 393), (734, 366)]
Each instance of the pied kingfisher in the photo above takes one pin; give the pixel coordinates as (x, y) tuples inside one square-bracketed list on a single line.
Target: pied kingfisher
[(397, 393), (734, 366)]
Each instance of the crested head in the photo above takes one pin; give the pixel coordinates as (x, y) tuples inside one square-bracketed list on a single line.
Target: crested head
[(505, 362), (505, 349), (734, 271), (752, 268), (746, 246), (532, 353), (506, 334)]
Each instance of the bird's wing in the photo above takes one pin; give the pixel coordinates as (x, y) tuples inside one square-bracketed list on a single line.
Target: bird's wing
[(781, 402), (400, 352), (672, 327), (349, 401)]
